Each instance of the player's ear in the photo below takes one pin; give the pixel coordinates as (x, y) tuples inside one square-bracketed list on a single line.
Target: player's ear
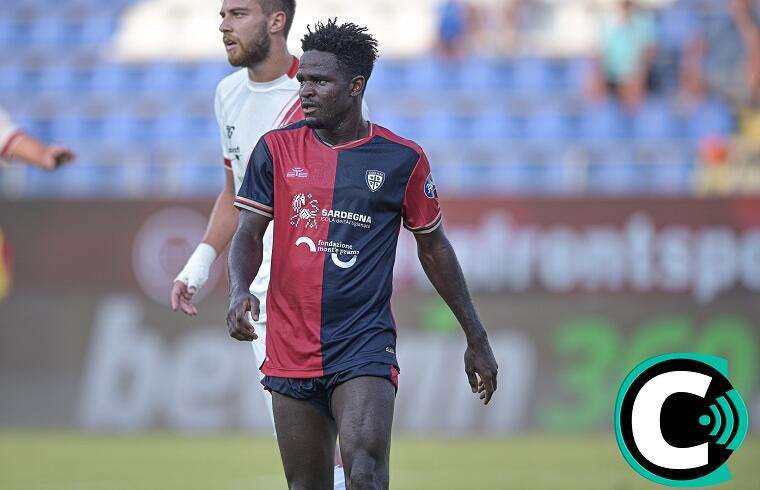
[(357, 85), (277, 22)]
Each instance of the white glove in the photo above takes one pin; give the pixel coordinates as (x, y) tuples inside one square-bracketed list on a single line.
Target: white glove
[(195, 272)]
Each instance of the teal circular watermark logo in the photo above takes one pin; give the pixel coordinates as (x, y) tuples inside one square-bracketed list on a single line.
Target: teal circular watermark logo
[(678, 419)]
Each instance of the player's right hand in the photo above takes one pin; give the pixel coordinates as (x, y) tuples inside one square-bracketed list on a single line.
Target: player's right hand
[(54, 156), (182, 298), (237, 316)]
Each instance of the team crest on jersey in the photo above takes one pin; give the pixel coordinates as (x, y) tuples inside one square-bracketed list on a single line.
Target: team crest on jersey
[(230, 130), (430, 190), (375, 179), (305, 209), (298, 172)]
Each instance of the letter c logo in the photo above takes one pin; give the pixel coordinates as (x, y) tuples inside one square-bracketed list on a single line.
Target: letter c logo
[(678, 420)]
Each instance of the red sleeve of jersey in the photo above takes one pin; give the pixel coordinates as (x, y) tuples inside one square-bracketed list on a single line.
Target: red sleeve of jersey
[(10, 142), (421, 211), (257, 190), (228, 164)]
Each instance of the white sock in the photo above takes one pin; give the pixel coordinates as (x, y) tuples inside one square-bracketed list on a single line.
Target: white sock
[(339, 478)]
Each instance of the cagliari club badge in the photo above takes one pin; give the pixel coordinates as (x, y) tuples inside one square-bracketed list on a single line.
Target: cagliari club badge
[(375, 179)]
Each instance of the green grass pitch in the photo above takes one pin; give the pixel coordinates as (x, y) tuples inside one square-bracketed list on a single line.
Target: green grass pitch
[(69, 461)]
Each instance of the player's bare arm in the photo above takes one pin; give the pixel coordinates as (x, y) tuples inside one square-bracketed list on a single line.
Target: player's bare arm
[(246, 252), (224, 217), (30, 149), (442, 268), (219, 231)]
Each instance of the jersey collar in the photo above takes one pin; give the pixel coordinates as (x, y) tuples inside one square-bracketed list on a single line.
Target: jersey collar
[(349, 144), (266, 86)]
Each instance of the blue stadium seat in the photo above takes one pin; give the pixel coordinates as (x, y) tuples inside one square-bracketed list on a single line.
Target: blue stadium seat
[(388, 75), (656, 121), (524, 177), (105, 179), (107, 78), (445, 125), (573, 75), (543, 76), (430, 74), (712, 118), (93, 30), (553, 125), (672, 178), (161, 77), (8, 80), (408, 126), (200, 179), (617, 178), (495, 126), (481, 74), (202, 77), (5, 28), (117, 130), (604, 122)]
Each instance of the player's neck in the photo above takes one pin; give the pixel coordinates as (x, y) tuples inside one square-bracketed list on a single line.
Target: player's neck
[(277, 64), (351, 128)]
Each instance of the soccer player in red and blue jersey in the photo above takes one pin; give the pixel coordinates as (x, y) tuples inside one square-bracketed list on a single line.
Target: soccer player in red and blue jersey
[(338, 188)]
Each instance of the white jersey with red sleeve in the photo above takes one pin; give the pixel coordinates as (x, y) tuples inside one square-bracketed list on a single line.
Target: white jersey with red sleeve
[(8, 134), (245, 111)]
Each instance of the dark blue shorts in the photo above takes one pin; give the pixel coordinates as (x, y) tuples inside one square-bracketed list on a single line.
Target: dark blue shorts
[(318, 391)]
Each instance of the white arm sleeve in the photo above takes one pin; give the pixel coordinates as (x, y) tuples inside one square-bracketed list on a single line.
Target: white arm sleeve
[(195, 272)]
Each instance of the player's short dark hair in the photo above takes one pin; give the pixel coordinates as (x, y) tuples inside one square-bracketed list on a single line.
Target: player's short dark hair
[(288, 6), (354, 47)]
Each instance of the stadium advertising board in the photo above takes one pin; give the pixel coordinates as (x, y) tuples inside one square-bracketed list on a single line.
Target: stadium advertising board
[(575, 294)]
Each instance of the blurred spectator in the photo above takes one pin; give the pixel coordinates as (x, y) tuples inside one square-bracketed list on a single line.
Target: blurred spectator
[(747, 22), (17, 145), (680, 51), (495, 27), (625, 57), (453, 28), (732, 51)]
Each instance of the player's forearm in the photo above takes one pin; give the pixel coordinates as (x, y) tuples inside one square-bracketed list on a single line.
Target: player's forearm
[(29, 149), (222, 221), (246, 253), (441, 266)]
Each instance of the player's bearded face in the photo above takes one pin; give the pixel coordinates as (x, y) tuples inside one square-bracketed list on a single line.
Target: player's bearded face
[(252, 49)]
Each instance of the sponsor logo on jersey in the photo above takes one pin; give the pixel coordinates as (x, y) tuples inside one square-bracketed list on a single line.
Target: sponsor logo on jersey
[(298, 172), (305, 210), (429, 188), (374, 179), (230, 130), (347, 217), (342, 254)]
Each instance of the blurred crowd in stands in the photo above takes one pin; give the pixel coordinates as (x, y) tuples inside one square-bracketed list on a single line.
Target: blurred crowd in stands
[(693, 46), (688, 50), (542, 97)]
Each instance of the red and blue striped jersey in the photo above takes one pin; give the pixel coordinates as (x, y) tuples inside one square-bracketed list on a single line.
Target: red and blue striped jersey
[(337, 211)]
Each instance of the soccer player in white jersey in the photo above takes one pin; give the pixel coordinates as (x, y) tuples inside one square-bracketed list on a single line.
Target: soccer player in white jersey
[(261, 96)]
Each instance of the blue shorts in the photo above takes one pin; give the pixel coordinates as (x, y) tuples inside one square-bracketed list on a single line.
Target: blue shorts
[(318, 391)]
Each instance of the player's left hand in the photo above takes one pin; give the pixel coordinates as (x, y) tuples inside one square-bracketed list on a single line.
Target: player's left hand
[(481, 368)]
